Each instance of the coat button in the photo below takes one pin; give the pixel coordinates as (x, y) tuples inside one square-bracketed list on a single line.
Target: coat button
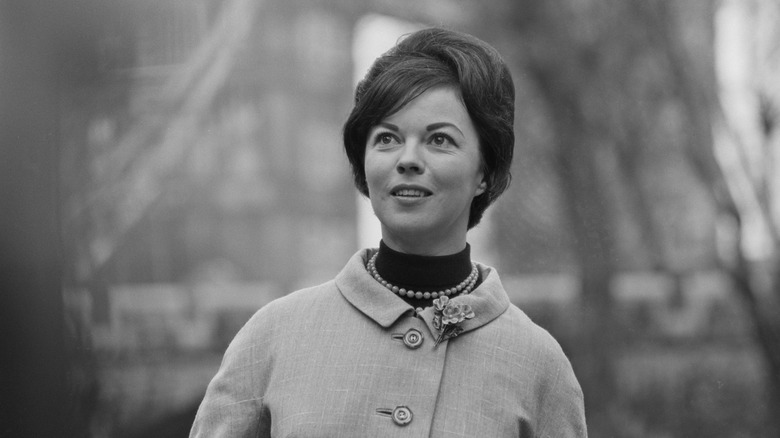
[(413, 338), (402, 415)]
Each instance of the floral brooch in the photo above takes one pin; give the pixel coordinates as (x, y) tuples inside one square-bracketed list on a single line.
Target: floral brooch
[(447, 316)]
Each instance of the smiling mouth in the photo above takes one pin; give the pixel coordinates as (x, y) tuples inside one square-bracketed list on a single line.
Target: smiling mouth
[(410, 193)]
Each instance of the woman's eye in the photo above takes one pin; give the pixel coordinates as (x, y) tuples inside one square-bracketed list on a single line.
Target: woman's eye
[(440, 140), (384, 138)]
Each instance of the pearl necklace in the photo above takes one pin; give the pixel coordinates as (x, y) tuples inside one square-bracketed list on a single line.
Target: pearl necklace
[(464, 287)]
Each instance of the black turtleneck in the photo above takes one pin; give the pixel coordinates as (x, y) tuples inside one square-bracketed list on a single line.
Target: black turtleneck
[(423, 273)]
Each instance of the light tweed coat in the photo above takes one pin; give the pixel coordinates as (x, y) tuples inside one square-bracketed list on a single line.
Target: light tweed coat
[(330, 361)]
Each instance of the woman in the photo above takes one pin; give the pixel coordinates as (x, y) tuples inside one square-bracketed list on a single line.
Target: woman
[(412, 339)]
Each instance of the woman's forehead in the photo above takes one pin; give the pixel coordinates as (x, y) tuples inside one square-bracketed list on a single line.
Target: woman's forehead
[(416, 99)]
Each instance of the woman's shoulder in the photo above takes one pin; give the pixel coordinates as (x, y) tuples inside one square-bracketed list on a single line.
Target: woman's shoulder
[(519, 337), (291, 307), (310, 303), (307, 296), (514, 325), (521, 334)]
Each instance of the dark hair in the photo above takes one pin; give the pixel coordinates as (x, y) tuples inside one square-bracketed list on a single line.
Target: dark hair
[(437, 57)]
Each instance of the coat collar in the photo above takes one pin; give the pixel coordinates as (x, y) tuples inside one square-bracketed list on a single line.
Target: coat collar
[(488, 301)]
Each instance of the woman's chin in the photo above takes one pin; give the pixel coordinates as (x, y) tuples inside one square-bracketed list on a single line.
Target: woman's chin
[(407, 230)]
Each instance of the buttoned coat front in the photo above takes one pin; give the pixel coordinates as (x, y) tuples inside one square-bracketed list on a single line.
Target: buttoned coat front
[(332, 361)]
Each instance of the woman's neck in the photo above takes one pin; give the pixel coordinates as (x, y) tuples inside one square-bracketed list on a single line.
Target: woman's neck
[(423, 272)]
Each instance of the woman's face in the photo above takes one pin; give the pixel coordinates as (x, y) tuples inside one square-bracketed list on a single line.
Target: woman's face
[(423, 168)]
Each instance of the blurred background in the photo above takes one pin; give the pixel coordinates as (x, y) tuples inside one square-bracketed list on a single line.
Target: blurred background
[(170, 166)]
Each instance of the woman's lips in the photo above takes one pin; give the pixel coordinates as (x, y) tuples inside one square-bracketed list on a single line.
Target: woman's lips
[(411, 193)]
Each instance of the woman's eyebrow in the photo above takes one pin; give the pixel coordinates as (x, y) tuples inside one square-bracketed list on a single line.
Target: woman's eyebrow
[(434, 126), (389, 126)]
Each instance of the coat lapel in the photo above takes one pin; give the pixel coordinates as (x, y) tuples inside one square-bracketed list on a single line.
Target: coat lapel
[(368, 296), (488, 301)]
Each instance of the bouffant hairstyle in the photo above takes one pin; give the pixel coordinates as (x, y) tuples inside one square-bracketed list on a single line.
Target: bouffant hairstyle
[(433, 58)]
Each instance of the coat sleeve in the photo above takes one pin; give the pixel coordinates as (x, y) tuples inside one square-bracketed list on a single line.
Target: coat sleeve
[(233, 405), (562, 409)]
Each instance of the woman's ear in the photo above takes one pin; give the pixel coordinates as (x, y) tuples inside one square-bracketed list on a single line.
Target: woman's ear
[(481, 188)]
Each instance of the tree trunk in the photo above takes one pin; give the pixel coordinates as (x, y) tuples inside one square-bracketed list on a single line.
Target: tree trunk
[(590, 221), (730, 188)]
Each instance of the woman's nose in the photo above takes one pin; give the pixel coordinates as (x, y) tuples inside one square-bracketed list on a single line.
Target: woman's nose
[(410, 160)]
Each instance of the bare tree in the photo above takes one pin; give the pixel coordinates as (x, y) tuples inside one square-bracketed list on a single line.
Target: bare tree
[(741, 163), (606, 70), (563, 51), (739, 177)]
